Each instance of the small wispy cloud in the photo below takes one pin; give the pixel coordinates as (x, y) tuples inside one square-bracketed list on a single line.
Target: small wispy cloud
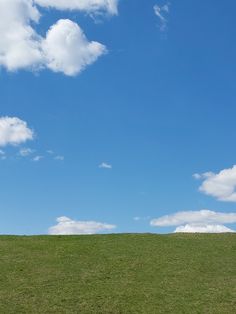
[(59, 157), (197, 176), (15, 132), (137, 218), (105, 165), (2, 155), (161, 11), (24, 152), (50, 152), (33, 155), (37, 158)]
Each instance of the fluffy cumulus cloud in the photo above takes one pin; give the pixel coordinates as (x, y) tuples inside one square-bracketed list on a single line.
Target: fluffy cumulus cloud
[(197, 221), (220, 185), (67, 226), (20, 46), (109, 6), (14, 131), (65, 47)]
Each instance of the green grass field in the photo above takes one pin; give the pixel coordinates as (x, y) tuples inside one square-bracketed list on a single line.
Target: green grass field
[(126, 273)]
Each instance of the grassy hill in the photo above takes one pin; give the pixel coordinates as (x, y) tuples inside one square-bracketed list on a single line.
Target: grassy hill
[(126, 273)]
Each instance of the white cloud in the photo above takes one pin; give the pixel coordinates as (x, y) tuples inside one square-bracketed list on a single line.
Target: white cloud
[(50, 152), (105, 165), (203, 228), (166, 7), (201, 216), (14, 131), (197, 176), (204, 175), (201, 220), (19, 43), (2, 155), (37, 158), (90, 6), (61, 158), (24, 152), (67, 49), (64, 49), (220, 185), (137, 218), (161, 12), (67, 226)]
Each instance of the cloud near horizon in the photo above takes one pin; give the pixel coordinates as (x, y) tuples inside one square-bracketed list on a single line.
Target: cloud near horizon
[(65, 48), (197, 221), (202, 228), (14, 131), (67, 226)]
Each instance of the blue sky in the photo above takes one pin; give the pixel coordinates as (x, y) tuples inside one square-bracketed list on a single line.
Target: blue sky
[(158, 107)]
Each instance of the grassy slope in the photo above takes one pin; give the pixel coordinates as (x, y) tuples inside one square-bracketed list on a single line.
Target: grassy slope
[(118, 274)]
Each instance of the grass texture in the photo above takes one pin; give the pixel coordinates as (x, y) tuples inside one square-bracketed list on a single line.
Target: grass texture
[(122, 273)]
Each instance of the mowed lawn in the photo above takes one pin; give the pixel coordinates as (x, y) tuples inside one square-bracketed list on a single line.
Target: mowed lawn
[(123, 273)]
